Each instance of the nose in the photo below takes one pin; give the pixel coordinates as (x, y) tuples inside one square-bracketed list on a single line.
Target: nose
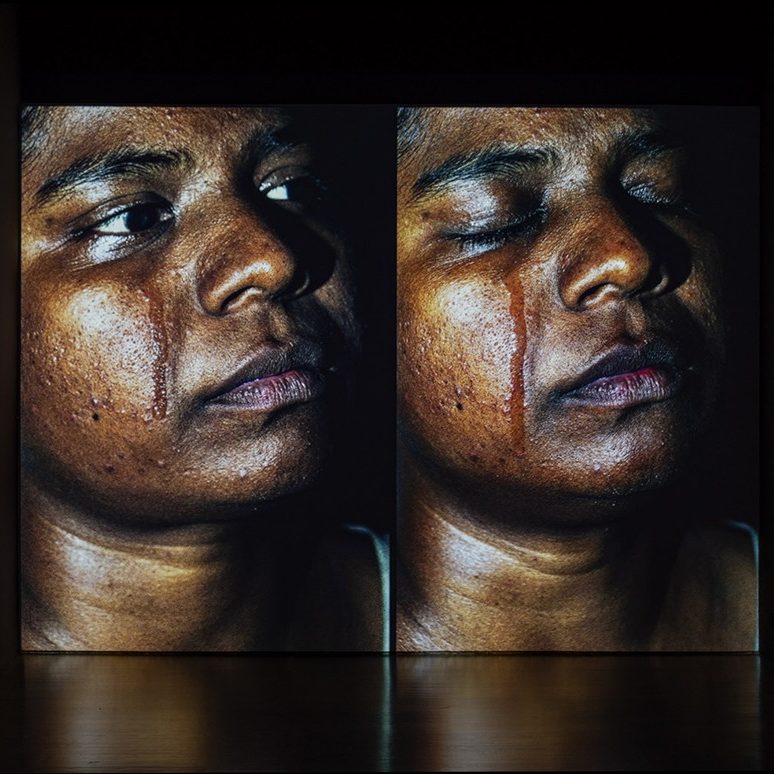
[(243, 262), (605, 260)]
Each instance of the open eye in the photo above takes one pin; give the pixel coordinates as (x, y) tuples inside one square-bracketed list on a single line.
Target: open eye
[(292, 185), (133, 220), (121, 227)]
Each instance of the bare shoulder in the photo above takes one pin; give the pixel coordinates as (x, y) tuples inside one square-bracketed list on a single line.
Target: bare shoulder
[(716, 587), (729, 549), (342, 605)]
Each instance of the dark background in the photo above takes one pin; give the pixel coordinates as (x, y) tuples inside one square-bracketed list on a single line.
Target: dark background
[(653, 712)]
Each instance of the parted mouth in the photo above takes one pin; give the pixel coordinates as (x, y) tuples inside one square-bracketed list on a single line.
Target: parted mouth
[(274, 378), (628, 375)]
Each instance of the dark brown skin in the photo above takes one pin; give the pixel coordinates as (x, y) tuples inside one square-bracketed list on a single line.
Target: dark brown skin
[(149, 517), (530, 521)]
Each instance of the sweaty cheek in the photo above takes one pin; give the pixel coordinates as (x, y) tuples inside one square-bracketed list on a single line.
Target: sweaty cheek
[(456, 348), (123, 341), (89, 364)]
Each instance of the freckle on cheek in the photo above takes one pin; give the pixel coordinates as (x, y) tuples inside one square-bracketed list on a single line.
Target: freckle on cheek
[(516, 399), (160, 352)]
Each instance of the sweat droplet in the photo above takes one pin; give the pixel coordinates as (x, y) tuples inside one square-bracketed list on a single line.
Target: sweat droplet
[(515, 406)]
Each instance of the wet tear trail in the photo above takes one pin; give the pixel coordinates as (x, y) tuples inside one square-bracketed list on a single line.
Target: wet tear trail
[(160, 352), (515, 406)]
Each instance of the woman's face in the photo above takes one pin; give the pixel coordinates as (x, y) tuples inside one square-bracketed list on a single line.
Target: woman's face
[(557, 300), (184, 306)]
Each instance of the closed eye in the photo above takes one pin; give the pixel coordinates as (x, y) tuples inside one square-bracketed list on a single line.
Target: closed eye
[(483, 240), (672, 202)]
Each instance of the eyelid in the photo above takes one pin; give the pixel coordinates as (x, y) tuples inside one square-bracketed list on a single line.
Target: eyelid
[(673, 202), (283, 175), (104, 211), (484, 239)]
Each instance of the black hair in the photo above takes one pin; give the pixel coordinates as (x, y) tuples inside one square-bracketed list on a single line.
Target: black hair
[(410, 127)]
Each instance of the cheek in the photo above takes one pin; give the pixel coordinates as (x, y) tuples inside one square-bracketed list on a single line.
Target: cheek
[(90, 359), (337, 298), (456, 345), (702, 294)]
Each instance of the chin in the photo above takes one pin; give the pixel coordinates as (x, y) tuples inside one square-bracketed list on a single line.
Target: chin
[(637, 474), (228, 491)]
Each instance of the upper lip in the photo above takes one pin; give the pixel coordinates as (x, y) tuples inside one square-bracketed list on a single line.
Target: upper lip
[(627, 358), (270, 361)]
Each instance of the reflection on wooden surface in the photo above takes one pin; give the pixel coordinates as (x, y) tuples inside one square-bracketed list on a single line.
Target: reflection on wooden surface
[(202, 713), (268, 713), (576, 712)]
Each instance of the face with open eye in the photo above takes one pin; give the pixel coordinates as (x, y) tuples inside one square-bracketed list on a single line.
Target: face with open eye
[(557, 300), (186, 308)]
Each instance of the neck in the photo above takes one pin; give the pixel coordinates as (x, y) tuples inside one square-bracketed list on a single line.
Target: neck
[(523, 572), (95, 584)]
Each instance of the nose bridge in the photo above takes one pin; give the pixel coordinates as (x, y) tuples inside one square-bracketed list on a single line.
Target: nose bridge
[(602, 257), (240, 258)]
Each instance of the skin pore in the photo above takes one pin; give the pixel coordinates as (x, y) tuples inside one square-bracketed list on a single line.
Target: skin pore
[(559, 345), (186, 319)]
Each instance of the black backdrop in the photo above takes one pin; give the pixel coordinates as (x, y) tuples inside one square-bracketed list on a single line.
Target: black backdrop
[(144, 54)]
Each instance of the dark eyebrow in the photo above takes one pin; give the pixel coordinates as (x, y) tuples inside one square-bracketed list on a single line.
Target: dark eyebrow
[(490, 162), (263, 142), (647, 143), (129, 161)]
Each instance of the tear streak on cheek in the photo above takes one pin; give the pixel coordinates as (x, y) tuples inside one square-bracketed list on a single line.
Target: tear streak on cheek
[(160, 352), (515, 406)]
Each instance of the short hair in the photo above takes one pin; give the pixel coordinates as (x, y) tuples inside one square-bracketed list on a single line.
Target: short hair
[(410, 125), (32, 127)]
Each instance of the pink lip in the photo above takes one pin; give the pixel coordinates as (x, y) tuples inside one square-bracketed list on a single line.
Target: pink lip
[(276, 391), (645, 385)]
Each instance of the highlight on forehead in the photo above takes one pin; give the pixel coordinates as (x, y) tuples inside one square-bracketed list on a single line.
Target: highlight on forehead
[(36, 120), (464, 152), (133, 156)]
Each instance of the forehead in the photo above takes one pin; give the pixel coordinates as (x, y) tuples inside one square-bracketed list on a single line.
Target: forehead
[(59, 131), (442, 131)]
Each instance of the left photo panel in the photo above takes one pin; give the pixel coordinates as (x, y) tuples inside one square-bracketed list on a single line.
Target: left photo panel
[(207, 365)]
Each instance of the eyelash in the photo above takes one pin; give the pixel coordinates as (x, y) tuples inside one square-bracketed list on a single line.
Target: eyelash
[(164, 216), (670, 204), (310, 195), (493, 239), (160, 208)]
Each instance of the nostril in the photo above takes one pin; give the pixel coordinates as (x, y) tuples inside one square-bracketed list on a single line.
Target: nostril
[(240, 297), (656, 282), (596, 295)]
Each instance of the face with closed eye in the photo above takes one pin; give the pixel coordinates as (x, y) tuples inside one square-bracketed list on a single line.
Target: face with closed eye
[(557, 300), (186, 307)]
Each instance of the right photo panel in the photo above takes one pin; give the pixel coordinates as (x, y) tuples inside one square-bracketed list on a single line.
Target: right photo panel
[(577, 343)]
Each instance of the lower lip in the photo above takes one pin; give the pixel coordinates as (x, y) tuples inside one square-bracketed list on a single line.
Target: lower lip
[(271, 393), (647, 385)]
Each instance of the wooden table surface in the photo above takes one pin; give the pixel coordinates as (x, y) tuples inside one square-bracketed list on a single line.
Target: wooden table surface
[(268, 713)]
